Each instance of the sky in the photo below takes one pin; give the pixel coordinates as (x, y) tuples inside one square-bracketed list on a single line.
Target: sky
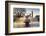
[(28, 11), (35, 11)]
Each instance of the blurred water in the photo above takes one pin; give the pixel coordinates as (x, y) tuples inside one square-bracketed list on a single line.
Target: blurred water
[(34, 24)]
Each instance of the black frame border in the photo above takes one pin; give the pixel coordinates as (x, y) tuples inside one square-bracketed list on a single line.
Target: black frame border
[(6, 17)]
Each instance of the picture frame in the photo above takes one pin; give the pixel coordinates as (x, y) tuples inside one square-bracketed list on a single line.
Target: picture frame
[(20, 6)]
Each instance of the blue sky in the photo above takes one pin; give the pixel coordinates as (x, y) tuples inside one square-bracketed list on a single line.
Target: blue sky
[(35, 10)]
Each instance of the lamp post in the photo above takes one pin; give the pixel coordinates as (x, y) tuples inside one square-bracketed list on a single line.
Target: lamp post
[(32, 14), (32, 17)]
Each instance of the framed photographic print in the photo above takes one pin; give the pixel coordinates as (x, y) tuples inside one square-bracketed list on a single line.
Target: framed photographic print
[(24, 17)]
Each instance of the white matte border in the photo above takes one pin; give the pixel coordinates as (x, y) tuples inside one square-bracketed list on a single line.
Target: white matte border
[(30, 29)]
